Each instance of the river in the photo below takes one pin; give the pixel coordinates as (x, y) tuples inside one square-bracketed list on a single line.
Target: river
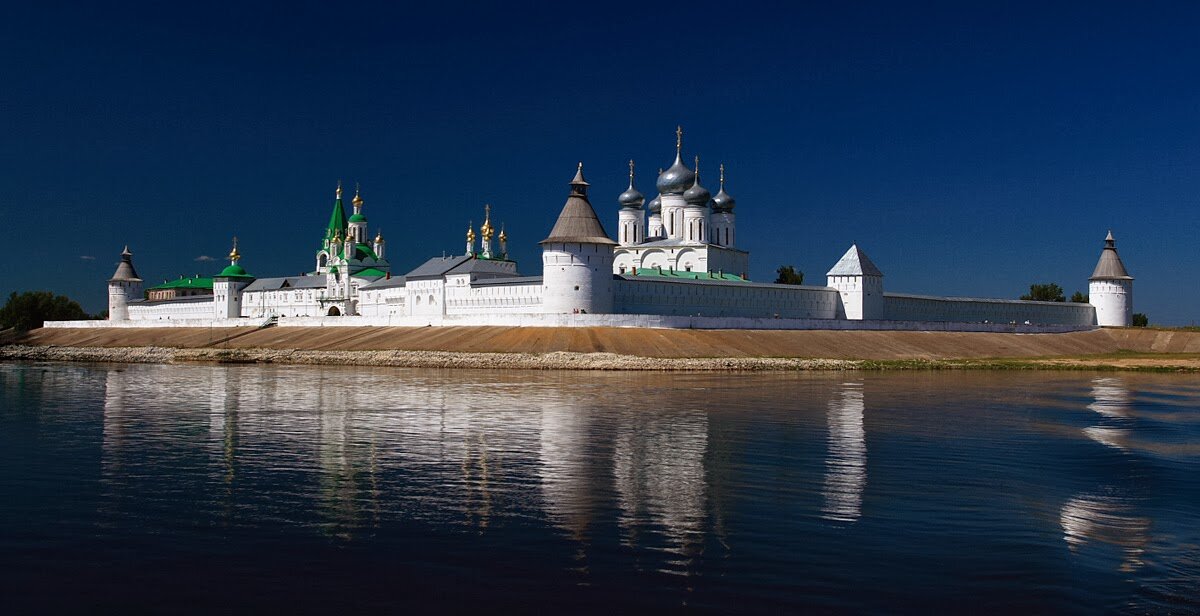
[(208, 487)]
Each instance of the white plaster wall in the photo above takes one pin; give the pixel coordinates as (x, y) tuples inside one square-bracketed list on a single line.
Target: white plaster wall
[(283, 302), (491, 299), (899, 307), (172, 310), (577, 277), (678, 297), (426, 297), (724, 229), (631, 226), (862, 297), (1113, 300)]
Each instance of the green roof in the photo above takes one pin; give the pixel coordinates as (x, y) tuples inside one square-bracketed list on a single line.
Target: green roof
[(233, 271), (358, 218), (365, 251), (370, 272), (337, 220), (685, 275), (195, 282)]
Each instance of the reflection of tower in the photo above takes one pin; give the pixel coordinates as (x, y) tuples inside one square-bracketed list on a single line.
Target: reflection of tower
[(1111, 400), (846, 463), (222, 423), (567, 483), (1107, 519), (1107, 515), (659, 472)]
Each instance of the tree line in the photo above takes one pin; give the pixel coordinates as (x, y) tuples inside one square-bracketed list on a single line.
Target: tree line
[(29, 310)]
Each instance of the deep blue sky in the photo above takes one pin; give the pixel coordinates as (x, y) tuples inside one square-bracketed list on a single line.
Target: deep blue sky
[(970, 149)]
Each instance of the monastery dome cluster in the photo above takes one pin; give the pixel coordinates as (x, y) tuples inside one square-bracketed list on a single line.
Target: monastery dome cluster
[(675, 261)]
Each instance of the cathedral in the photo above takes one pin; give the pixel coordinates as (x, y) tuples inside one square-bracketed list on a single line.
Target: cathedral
[(675, 262)]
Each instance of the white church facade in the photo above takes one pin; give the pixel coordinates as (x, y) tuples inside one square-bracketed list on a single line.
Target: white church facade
[(675, 262)]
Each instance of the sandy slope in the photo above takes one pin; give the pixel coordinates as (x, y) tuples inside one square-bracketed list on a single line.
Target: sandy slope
[(663, 343)]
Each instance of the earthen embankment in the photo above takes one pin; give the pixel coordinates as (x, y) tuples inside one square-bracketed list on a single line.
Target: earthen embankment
[(589, 348)]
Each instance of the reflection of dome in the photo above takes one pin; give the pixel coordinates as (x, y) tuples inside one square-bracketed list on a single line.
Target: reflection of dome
[(677, 179), (656, 204)]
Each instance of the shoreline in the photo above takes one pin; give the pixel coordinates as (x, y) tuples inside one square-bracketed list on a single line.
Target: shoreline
[(569, 360)]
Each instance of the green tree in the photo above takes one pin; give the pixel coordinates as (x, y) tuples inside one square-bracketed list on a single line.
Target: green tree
[(32, 308), (1079, 298), (789, 275), (1048, 292), (1140, 320)]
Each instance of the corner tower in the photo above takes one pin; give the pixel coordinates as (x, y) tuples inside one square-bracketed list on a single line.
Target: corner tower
[(577, 258), (123, 287), (860, 285), (1110, 289)]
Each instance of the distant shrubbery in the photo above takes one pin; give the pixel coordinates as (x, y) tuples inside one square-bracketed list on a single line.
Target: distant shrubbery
[(1140, 320), (32, 308), (788, 274), (1049, 292)]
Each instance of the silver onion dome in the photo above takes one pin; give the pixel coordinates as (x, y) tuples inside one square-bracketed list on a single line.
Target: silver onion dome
[(656, 205), (697, 195), (678, 178), (723, 202), (675, 180), (631, 198)]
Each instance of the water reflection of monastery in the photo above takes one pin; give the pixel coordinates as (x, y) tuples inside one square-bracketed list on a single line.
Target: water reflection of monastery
[(443, 449)]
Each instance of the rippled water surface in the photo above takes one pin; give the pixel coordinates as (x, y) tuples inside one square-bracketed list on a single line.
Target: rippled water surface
[(195, 488)]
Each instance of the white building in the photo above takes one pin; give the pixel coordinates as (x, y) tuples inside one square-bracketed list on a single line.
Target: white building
[(680, 269), (1110, 289), (690, 229)]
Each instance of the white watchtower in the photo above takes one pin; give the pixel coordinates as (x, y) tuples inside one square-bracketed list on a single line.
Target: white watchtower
[(860, 285), (577, 258), (123, 287), (1110, 289), (228, 286)]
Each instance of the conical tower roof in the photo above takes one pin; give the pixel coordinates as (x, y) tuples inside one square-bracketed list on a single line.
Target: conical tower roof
[(125, 269), (337, 219), (854, 263), (577, 223), (1110, 267)]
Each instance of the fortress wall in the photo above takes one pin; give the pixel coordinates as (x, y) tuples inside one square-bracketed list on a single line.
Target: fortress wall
[(465, 299), (650, 296), (654, 321), (901, 307), (189, 308)]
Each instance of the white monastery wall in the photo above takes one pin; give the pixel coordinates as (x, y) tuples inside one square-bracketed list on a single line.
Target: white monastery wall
[(734, 299), (903, 307), (188, 308)]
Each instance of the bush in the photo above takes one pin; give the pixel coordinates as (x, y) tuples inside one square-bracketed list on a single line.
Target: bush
[(789, 275), (32, 308), (1049, 292), (1140, 320)]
